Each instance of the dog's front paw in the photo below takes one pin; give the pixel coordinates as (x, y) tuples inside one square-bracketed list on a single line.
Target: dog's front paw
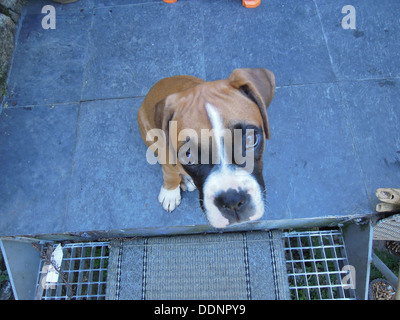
[(187, 184), (169, 199)]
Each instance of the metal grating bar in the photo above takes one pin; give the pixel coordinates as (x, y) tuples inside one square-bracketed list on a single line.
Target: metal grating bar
[(84, 266), (315, 261)]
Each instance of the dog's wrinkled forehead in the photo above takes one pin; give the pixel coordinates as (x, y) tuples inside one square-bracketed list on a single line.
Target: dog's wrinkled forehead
[(230, 103), (213, 121), (217, 130)]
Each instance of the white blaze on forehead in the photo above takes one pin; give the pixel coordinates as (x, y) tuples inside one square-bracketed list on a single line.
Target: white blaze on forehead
[(225, 178), (217, 129)]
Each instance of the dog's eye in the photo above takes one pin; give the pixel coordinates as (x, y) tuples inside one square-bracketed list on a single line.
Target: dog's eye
[(251, 139), (187, 155), (189, 158)]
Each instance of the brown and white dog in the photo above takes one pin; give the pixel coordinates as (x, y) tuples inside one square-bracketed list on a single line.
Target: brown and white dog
[(179, 118)]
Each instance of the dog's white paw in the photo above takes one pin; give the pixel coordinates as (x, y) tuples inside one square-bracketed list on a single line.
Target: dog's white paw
[(169, 199), (187, 184)]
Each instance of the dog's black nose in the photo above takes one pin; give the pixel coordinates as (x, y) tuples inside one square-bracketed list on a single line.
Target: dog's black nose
[(234, 204)]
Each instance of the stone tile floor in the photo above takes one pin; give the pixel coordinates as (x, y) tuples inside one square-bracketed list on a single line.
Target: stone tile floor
[(72, 159)]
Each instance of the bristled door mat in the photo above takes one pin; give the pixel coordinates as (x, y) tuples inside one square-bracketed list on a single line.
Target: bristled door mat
[(388, 228), (246, 265)]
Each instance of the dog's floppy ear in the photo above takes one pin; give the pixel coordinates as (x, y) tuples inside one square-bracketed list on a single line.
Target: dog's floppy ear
[(164, 112), (259, 86)]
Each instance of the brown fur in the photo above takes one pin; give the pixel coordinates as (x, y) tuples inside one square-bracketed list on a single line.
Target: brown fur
[(244, 96)]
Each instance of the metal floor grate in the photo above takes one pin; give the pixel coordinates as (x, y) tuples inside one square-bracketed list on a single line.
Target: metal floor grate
[(84, 269), (317, 265)]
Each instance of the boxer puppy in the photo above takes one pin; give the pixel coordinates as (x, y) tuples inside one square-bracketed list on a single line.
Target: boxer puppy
[(211, 136)]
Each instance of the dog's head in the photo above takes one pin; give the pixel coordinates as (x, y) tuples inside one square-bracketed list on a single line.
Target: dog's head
[(221, 129)]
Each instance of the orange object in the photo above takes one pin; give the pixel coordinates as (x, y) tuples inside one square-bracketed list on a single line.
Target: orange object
[(250, 3), (170, 1)]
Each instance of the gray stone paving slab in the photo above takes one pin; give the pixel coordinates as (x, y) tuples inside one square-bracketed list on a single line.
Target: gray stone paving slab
[(373, 112), (372, 50), (128, 50), (310, 165), (286, 36), (35, 155), (48, 65)]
